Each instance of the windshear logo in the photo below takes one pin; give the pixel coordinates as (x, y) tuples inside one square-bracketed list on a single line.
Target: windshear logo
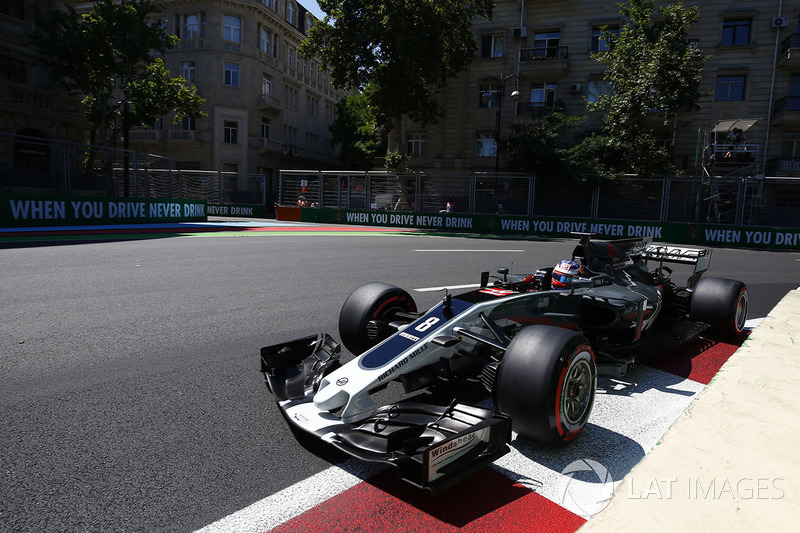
[(586, 487)]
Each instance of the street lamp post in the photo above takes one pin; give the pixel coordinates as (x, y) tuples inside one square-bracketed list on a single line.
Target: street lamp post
[(487, 96)]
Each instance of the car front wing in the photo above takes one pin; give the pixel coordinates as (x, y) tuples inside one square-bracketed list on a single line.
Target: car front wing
[(432, 446)]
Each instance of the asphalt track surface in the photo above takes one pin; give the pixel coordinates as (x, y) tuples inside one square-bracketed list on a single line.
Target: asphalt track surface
[(132, 401)]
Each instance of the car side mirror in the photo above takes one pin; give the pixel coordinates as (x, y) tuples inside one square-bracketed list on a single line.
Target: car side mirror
[(445, 341), (504, 272)]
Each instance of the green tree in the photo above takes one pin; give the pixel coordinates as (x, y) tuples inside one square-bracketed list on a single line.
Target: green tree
[(356, 131), (405, 49), (653, 70), (540, 147), (106, 55)]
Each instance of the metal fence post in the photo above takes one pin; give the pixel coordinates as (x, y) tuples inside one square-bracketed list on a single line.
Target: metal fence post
[(531, 193), (595, 209), (65, 171), (472, 184)]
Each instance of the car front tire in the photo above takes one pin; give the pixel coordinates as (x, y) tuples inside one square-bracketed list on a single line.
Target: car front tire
[(546, 384)]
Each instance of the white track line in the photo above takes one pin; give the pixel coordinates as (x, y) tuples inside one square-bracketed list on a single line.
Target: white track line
[(292, 501)]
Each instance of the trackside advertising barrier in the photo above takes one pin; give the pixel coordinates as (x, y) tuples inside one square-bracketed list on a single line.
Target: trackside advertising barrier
[(18, 210), (679, 233), (233, 210)]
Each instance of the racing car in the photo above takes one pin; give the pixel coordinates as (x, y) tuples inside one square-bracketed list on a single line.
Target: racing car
[(536, 350)]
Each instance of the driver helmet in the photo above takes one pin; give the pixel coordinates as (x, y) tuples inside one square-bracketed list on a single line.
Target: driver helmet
[(564, 272)]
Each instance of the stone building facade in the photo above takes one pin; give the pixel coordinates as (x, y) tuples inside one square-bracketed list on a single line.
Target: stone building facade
[(534, 55)]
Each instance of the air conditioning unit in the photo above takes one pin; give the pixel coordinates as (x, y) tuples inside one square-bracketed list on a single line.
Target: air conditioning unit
[(780, 22), (574, 88), (520, 32)]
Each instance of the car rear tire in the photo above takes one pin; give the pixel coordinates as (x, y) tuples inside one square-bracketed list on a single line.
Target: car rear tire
[(372, 302), (722, 304), (546, 384)]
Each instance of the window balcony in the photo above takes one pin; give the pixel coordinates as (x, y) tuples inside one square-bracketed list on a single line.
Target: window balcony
[(269, 145), (267, 102), (182, 135), (784, 166), (790, 52), (535, 110), (786, 111), (546, 57), (188, 44), (146, 135)]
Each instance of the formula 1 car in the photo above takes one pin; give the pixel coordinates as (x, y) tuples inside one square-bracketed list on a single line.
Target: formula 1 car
[(537, 351)]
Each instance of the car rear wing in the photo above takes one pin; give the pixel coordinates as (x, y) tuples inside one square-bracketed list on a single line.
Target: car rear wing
[(667, 253)]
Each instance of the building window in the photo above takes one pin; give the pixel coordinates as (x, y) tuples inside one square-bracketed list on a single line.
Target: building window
[(188, 123), (794, 85), (492, 46), (543, 94), (735, 32), (489, 94), (266, 126), (311, 140), (416, 144), (597, 88), (729, 89), (266, 43), (290, 93), (230, 167), (599, 43), (546, 44), (290, 56), (189, 71), (230, 132), (190, 25), (266, 84), (231, 74), (485, 145), (232, 29), (291, 13), (312, 104)]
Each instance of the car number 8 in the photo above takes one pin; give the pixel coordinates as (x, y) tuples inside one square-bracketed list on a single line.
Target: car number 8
[(428, 324)]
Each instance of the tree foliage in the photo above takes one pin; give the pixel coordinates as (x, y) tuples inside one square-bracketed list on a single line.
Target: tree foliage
[(356, 131), (653, 70), (405, 49), (106, 55), (540, 147)]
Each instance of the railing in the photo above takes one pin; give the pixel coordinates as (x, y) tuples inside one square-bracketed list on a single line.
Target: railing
[(538, 109), (267, 100), (543, 53), (734, 201), (780, 165), (787, 103)]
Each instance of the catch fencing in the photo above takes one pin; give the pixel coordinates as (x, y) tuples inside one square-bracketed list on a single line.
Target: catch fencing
[(43, 166), (736, 201)]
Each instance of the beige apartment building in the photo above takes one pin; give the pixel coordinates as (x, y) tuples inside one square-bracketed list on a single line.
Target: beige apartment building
[(534, 56), (268, 108)]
